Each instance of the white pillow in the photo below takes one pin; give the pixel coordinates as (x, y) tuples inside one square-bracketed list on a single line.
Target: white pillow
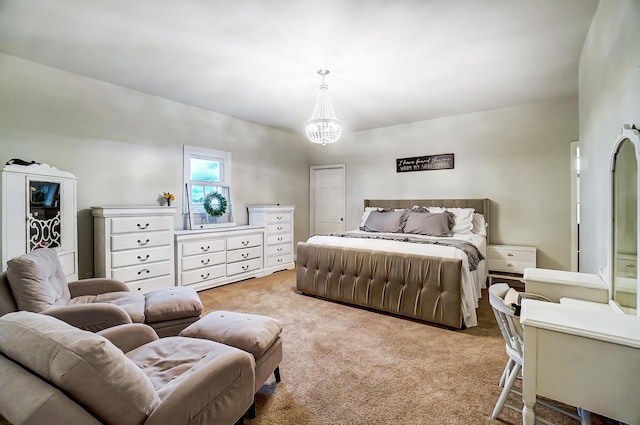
[(463, 218), (479, 225), (365, 215)]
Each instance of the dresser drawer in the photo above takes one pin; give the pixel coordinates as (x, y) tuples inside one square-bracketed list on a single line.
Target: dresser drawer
[(143, 271), (278, 217), (203, 247), (200, 275), (206, 260), (147, 285), (141, 256), (277, 239), (280, 259), (507, 266), (244, 266), (278, 227), (510, 254), (281, 249), (244, 241), (244, 254), (146, 240), (141, 224)]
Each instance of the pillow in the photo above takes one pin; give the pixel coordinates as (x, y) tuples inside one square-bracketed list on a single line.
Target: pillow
[(385, 221), (365, 215), (479, 224), (87, 366), (463, 218), (37, 281), (432, 224)]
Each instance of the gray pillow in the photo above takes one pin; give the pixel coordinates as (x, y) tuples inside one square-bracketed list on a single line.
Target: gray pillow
[(431, 224), (385, 221)]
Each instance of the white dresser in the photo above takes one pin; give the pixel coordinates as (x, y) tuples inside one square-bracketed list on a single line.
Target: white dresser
[(135, 245), (509, 261), (214, 257), (278, 223)]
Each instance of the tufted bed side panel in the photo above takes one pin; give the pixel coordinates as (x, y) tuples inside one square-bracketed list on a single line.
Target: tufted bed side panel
[(424, 288)]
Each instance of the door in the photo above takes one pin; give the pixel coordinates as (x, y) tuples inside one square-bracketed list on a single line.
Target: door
[(327, 199)]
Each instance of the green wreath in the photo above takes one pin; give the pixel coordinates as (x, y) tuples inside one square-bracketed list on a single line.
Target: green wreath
[(215, 212)]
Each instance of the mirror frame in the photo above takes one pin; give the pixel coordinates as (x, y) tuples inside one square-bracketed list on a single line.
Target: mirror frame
[(631, 133)]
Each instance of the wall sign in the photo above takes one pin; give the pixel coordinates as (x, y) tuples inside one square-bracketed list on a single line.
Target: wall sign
[(422, 163)]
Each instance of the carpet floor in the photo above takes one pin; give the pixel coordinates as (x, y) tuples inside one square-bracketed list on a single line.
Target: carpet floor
[(347, 365)]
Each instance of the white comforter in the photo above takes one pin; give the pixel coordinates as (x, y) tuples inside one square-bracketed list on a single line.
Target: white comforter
[(472, 281)]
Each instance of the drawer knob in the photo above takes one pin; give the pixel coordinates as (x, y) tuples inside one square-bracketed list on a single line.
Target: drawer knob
[(279, 217), (142, 227), (279, 249), (509, 265), (205, 276), (279, 260), (143, 243), (245, 268), (205, 249), (245, 255), (204, 263), (143, 259), (509, 254), (245, 243), (279, 227), (147, 271)]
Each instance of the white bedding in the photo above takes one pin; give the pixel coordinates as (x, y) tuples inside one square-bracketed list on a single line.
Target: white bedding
[(472, 281)]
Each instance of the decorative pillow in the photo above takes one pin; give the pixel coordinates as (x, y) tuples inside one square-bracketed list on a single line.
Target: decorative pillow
[(432, 224), (85, 365), (249, 332), (37, 281), (365, 215), (463, 218), (385, 221), (479, 224)]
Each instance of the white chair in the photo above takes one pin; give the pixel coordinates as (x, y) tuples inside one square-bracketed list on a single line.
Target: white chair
[(505, 302)]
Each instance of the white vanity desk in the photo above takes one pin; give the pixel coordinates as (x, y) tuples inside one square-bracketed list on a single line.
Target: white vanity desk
[(584, 357)]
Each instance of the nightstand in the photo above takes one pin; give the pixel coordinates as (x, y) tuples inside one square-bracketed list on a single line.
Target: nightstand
[(509, 261)]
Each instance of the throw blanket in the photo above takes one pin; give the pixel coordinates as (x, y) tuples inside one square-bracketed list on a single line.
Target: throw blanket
[(472, 252)]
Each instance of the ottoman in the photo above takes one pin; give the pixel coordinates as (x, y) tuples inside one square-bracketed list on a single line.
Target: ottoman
[(170, 310), (258, 335)]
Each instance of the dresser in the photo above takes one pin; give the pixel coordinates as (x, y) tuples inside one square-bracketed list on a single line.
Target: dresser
[(215, 257), (39, 209), (509, 261), (135, 245), (278, 223)]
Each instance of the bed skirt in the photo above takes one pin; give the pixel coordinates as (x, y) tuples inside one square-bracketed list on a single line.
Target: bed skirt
[(420, 287)]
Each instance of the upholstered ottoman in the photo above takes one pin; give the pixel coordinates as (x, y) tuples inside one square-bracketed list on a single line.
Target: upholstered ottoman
[(258, 335), (170, 310)]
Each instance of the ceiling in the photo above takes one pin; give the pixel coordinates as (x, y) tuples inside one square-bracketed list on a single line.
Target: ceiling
[(391, 62)]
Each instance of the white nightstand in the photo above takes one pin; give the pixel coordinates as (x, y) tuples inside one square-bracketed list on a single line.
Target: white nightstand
[(509, 261)]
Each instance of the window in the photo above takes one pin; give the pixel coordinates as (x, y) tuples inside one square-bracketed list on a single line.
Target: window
[(207, 182)]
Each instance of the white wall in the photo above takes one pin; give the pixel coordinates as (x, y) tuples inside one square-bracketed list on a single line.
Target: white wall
[(125, 147), (517, 157), (609, 98)]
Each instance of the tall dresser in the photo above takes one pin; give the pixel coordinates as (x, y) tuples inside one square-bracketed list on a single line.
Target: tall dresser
[(135, 245), (39, 210), (278, 223)]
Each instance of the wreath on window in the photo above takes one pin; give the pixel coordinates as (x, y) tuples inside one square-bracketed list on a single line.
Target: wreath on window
[(222, 204)]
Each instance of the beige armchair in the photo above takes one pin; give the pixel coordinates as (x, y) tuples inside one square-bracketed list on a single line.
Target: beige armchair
[(55, 373), (35, 282)]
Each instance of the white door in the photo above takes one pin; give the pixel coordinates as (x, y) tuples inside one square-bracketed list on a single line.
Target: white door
[(327, 199)]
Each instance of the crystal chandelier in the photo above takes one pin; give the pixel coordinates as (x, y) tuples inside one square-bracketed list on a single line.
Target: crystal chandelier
[(323, 128)]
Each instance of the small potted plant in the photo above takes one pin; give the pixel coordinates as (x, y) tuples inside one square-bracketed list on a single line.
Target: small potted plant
[(169, 197)]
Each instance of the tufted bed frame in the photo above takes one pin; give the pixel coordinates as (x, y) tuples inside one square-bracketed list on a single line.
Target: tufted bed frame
[(420, 287)]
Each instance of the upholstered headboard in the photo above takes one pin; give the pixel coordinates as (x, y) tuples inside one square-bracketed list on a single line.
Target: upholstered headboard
[(481, 206)]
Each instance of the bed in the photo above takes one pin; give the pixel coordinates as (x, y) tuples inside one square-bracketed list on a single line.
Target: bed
[(436, 279)]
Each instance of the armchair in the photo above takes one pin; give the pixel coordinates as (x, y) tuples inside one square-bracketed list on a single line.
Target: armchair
[(35, 282), (79, 377)]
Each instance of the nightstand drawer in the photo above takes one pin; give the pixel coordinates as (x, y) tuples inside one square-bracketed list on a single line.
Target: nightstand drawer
[(510, 254), (507, 266)]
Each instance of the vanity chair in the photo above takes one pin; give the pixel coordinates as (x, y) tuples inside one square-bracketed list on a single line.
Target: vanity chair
[(36, 282)]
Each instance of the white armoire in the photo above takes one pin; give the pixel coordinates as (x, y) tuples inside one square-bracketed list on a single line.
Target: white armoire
[(39, 210)]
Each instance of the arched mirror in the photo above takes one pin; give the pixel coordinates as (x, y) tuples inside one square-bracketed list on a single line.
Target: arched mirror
[(624, 193)]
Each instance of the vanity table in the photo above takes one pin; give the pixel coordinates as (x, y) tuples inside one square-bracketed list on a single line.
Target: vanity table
[(584, 358)]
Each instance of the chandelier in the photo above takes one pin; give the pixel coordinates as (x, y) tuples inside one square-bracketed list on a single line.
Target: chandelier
[(323, 128)]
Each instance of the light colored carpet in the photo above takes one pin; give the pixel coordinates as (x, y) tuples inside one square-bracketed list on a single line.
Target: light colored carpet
[(346, 365)]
